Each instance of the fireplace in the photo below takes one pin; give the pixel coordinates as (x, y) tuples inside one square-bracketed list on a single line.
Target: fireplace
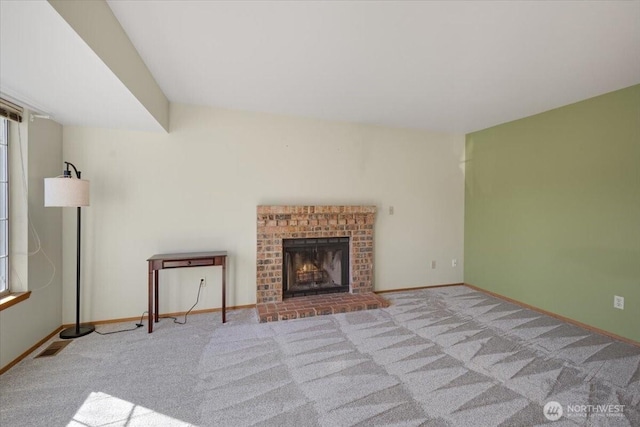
[(315, 266), (279, 224)]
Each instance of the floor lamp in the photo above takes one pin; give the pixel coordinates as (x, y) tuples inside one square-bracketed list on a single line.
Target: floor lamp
[(69, 191)]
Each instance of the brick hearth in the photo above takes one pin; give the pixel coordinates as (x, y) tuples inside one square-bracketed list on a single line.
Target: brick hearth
[(318, 305)]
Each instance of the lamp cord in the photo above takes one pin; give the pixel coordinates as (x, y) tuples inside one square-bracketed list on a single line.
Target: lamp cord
[(138, 325), (175, 319)]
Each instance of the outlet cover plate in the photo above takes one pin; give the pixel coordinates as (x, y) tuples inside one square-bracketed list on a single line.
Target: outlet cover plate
[(618, 302)]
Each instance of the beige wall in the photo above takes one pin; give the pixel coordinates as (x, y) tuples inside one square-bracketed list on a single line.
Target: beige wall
[(26, 323), (197, 188)]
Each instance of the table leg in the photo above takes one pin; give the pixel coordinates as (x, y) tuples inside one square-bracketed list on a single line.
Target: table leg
[(224, 289), (150, 311), (157, 296)]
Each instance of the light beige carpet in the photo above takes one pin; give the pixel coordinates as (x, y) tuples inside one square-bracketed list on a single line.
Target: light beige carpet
[(440, 357)]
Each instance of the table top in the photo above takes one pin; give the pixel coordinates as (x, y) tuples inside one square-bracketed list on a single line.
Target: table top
[(187, 255)]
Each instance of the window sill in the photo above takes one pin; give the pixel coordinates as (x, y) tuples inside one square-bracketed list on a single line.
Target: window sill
[(13, 299)]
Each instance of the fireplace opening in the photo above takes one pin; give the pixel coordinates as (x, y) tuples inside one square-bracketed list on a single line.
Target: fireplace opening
[(315, 266)]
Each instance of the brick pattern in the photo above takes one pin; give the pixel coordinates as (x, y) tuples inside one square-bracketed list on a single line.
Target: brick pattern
[(318, 305), (275, 223)]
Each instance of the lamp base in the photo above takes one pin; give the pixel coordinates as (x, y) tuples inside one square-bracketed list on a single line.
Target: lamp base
[(71, 332)]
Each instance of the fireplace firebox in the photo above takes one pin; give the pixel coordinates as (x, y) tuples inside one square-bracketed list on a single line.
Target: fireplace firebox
[(315, 266)]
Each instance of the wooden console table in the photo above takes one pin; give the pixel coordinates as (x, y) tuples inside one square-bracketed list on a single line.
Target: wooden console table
[(194, 259)]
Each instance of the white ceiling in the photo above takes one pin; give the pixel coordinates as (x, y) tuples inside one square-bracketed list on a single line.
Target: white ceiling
[(448, 66), (46, 66), (443, 66)]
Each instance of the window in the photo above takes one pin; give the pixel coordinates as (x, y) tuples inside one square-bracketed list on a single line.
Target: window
[(4, 207)]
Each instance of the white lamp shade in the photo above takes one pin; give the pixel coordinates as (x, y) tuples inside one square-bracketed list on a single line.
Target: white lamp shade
[(66, 192)]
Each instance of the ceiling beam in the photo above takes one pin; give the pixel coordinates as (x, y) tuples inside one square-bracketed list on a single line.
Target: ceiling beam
[(96, 24)]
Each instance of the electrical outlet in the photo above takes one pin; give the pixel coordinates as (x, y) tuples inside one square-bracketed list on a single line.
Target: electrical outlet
[(618, 302), (390, 210), (454, 262), (203, 280), (433, 264)]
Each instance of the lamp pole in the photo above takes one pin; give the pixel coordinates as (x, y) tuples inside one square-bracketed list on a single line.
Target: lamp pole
[(78, 331)]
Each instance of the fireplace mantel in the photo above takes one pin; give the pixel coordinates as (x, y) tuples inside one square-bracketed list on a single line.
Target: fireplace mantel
[(275, 223)]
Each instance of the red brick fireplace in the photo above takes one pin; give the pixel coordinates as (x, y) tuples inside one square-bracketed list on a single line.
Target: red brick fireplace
[(275, 223)]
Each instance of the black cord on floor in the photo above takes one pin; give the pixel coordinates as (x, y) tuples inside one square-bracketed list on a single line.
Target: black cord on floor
[(138, 325), (175, 319)]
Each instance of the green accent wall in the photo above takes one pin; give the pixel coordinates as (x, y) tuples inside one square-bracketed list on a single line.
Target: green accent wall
[(552, 211)]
